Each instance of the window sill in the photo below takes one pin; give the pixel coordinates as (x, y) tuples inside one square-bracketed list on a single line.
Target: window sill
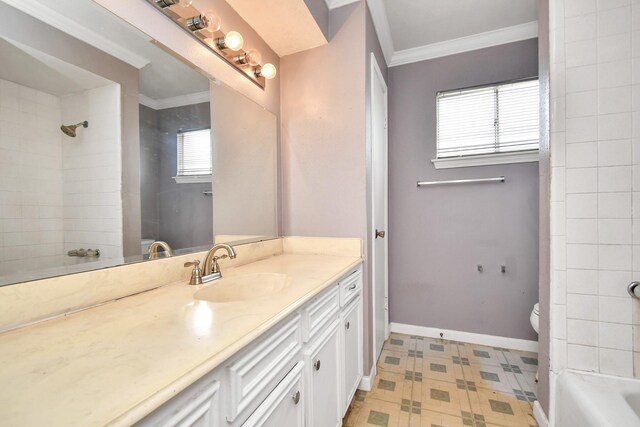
[(486, 159), (192, 179)]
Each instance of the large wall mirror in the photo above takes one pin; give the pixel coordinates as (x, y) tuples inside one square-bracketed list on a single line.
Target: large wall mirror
[(108, 143)]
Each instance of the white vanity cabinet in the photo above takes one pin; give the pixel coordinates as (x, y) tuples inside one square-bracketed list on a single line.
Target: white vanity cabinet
[(352, 351), (197, 406), (352, 335), (285, 404), (301, 373), (324, 384)]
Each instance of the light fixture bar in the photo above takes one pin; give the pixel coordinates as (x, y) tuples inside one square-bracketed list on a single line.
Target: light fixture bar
[(226, 46)]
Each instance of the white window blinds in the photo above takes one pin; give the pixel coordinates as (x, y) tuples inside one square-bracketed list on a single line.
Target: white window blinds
[(488, 120), (194, 153)]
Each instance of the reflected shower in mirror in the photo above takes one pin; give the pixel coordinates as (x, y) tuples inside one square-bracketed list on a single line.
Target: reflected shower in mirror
[(175, 156), (108, 147)]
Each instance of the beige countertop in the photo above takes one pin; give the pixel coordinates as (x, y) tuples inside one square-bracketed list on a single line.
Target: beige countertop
[(115, 363)]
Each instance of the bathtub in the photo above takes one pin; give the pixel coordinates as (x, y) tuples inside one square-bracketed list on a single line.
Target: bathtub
[(593, 400)]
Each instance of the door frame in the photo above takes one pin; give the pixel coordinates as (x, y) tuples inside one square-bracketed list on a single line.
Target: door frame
[(377, 74)]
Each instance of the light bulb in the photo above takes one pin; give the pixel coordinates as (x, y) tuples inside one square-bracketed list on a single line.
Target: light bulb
[(268, 71), (252, 57), (233, 40), (184, 3), (212, 21)]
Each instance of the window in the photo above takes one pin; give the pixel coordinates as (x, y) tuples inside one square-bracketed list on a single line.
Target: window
[(194, 156), (488, 125)]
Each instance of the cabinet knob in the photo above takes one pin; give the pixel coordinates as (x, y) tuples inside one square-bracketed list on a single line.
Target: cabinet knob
[(380, 233), (296, 397), (316, 365), (352, 287), (347, 325)]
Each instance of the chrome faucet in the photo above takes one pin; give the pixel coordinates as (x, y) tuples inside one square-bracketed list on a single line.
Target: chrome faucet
[(153, 249), (210, 268)]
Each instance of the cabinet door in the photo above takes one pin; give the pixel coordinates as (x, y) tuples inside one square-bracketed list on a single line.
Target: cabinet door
[(197, 406), (323, 379), (284, 407), (352, 350)]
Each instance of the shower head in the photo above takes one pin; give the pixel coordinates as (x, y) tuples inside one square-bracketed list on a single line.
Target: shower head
[(70, 130)]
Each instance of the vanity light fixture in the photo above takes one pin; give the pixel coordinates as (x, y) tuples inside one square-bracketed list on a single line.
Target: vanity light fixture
[(251, 57), (268, 71), (232, 40), (206, 21), (205, 27), (167, 3)]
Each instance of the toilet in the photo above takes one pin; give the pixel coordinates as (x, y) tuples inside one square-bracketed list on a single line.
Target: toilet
[(535, 317), (144, 245)]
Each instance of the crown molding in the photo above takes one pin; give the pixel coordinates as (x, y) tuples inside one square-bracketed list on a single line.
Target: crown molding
[(512, 34), (175, 101), (57, 20), (332, 4), (383, 30)]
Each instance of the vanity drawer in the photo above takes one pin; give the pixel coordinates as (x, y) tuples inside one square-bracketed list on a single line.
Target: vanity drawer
[(197, 406), (350, 286), (256, 372), (319, 311)]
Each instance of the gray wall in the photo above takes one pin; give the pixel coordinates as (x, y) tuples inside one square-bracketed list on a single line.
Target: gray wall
[(438, 235), (149, 172), (31, 32), (544, 209), (323, 136), (176, 213)]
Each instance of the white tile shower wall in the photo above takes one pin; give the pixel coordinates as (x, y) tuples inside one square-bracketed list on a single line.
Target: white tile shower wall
[(30, 178), (595, 190), (92, 172)]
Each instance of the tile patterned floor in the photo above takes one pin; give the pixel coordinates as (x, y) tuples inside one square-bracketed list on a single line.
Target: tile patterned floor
[(425, 382)]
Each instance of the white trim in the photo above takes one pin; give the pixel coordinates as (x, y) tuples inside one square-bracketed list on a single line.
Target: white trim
[(148, 102), (383, 30), (175, 101), (332, 4), (469, 337), (199, 179), (366, 383), (57, 20), (512, 34), (539, 415), (486, 159)]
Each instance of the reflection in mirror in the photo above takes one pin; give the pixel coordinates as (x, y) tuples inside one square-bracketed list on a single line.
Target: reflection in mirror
[(175, 155), (245, 168), (76, 198)]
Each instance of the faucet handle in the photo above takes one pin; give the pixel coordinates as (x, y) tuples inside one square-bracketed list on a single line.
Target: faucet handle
[(196, 274)]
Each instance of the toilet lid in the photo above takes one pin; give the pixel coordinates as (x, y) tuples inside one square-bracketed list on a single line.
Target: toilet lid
[(536, 308)]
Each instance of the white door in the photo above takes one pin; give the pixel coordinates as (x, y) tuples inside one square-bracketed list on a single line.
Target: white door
[(379, 199)]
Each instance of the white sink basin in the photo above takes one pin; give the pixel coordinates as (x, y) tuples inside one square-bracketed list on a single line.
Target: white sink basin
[(243, 288)]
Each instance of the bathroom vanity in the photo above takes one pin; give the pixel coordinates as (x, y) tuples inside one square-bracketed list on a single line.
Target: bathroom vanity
[(180, 355)]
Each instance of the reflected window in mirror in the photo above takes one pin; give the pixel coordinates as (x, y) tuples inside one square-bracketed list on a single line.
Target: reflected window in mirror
[(111, 187), (194, 156)]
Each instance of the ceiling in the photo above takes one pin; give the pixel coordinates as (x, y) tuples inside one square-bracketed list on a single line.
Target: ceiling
[(29, 67), (418, 23), (287, 26), (162, 75), (416, 30)]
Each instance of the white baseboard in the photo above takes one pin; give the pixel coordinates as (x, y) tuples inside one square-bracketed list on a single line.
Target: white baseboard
[(481, 339), (539, 415), (366, 383)]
